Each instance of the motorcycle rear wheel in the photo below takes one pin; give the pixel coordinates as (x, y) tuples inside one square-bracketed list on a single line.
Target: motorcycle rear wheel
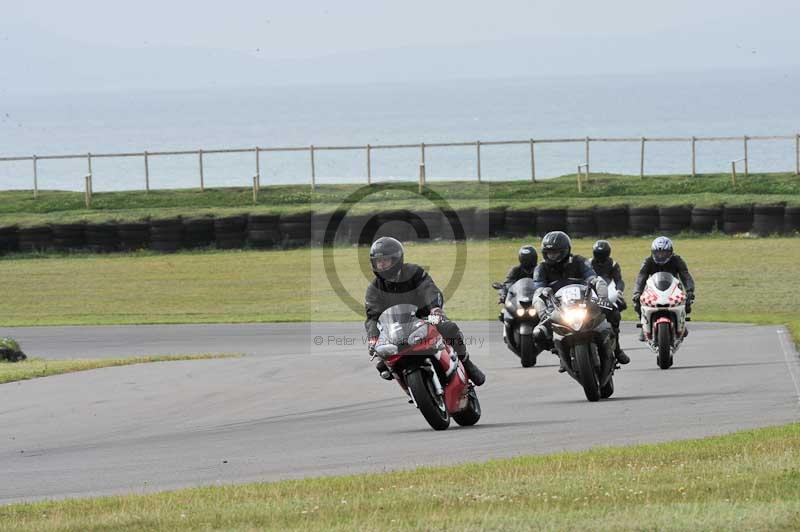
[(586, 372), (664, 337), (527, 351), (431, 405), (470, 415)]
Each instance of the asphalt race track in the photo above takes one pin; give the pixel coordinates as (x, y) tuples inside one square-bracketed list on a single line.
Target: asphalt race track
[(291, 408)]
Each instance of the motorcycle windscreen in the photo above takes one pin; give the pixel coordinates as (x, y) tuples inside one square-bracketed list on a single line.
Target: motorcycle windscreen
[(662, 280), (397, 323), (522, 290), (571, 293)]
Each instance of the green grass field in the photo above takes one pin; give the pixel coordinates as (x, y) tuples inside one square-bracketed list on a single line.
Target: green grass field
[(34, 368), (605, 189), (744, 481), (738, 279)]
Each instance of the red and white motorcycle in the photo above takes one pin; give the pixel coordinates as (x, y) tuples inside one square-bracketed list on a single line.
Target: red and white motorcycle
[(427, 369), (664, 317)]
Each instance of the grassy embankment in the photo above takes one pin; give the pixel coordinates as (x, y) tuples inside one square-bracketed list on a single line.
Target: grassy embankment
[(738, 279), (38, 367), (605, 189), (744, 481)]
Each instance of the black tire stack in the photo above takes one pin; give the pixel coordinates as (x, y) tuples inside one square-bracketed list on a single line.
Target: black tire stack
[(768, 219), (489, 223), (133, 236), (706, 219), (198, 233), (791, 220), (674, 219), (9, 239), (295, 229), (611, 221), (465, 218), (643, 221), (551, 220), (38, 238), (69, 237), (166, 235), (229, 231), (395, 224), (737, 219), (580, 222), (263, 231), (102, 238), (433, 221), (520, 222)]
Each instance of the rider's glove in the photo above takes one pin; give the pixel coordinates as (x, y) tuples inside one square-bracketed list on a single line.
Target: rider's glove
[(637, 304), (371, 343), (436, 316)]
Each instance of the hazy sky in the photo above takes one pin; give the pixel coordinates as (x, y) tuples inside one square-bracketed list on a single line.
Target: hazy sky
[(630, 35)]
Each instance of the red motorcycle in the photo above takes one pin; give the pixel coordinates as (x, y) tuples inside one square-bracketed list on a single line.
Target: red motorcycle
[(426, 368)]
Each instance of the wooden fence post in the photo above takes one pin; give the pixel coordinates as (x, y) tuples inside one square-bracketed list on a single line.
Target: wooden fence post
[(35, 179), (694, 157), (797, 155), (588, 177), (255, 190), (258, 167), (478, 148), (421, 177), (641, 161), (746, 165), (313, 169), (146, 173), (533, 162), (202, 177), (369, 164), (733, 173), (88, 190)]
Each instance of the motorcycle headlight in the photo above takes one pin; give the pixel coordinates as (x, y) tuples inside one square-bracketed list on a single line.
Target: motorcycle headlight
[(532, 312), (520, 312), (574, 317)]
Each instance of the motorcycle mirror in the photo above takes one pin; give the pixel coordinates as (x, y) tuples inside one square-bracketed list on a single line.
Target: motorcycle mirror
[(497, 286)]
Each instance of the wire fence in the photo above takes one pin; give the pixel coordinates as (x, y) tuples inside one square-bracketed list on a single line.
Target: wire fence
[(584, 166)]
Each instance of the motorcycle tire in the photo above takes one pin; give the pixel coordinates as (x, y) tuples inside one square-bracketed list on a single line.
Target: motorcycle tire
[(607, 390), (431, 405), (527, 351), (664, 337), (586, 372), (472, 413)]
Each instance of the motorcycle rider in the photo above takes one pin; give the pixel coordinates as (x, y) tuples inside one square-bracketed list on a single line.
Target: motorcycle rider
[(559, 263), (397, 282), (662, 259), (528, 259)]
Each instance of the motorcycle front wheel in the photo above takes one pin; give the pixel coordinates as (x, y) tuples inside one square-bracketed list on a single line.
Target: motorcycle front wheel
[(664, 335), (470, 415), (586, 373), (428, 401), (527, 351)]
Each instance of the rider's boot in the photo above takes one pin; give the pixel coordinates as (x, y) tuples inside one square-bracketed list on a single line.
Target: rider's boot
[(620, 355), (473, 372), (641, 335), (383, 370)]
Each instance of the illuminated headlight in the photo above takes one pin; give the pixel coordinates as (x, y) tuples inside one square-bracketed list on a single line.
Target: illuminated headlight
[(520, 312), (532, 312), (574, 317)]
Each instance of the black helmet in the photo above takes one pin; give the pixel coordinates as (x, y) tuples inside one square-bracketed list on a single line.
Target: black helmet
[(556, 247), (386, 257), (528, 257), (601, 250), (661, 250)]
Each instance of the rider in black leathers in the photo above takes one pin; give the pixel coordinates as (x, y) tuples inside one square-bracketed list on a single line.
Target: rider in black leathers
[(663, 259), (559, 264), (528, 259), (398, 283)]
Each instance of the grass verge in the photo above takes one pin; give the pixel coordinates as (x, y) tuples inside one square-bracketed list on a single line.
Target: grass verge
[(604, 189), (738, 279), (744, 481), (39, 367)]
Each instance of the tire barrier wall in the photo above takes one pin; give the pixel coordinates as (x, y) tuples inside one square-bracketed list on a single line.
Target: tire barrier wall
[(269, 231)]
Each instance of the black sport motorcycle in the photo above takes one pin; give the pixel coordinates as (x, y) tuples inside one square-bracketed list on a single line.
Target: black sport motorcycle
[(582, 337), (519, 318)]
